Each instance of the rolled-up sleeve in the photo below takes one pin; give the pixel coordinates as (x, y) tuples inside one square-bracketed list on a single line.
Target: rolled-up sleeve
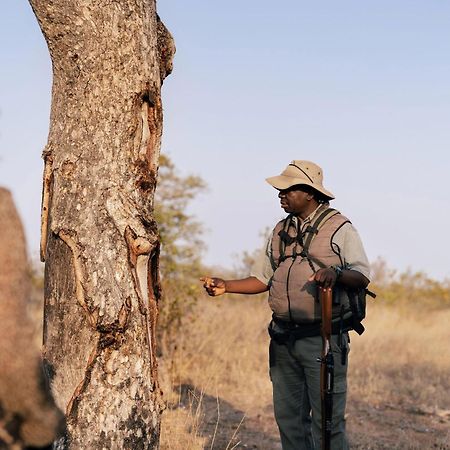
[(348, 242)]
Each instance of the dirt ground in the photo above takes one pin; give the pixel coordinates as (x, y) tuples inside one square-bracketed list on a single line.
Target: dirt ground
[(394, 426), (370, 427)]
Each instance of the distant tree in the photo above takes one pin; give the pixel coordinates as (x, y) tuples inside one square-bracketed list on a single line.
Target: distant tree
[(99, 237), (181, 247), (245, 261)]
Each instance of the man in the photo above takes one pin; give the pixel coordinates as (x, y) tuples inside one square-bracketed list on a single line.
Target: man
[(313, 246)]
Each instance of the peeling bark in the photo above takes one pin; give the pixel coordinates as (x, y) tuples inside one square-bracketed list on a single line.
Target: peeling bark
[(79, 278), (99, 238), (143, 256), (46, 194)]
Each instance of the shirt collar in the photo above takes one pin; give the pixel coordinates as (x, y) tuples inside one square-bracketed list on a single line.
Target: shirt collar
[(310, 217)]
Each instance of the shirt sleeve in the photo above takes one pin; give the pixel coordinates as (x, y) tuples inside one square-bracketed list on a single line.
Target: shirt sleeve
[(262, 267), (348, 243)]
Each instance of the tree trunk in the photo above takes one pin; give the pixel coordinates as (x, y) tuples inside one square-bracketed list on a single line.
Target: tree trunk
[(99, 238)]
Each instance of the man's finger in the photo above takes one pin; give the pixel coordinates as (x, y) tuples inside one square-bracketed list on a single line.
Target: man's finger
[(207, 281)]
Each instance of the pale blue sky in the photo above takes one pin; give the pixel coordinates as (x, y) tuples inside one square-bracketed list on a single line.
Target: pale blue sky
[(362, 88)]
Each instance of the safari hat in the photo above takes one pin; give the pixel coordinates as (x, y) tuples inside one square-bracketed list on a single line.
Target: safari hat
[(300, 172)]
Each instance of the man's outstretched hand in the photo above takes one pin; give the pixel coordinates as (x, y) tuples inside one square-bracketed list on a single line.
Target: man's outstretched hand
[(214, 286)]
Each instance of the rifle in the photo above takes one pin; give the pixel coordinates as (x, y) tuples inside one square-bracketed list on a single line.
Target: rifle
[(326, 367)]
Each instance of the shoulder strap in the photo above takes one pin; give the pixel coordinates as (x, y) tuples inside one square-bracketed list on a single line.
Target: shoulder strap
[(318, 221), (281, 231), (305, 239), (311, 231), (285, 239)]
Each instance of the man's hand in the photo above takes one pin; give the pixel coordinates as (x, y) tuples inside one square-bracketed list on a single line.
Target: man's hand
[(328, 277), (325, 278), (249, 285), (214, 286)]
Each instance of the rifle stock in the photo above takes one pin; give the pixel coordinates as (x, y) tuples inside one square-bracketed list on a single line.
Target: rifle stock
[(326, 367)]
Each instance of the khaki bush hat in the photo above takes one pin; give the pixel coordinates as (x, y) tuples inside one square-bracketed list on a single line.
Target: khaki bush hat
[(301, 172)]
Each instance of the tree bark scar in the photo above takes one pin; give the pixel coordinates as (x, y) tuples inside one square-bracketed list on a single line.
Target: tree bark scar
[(141, 252), (79, 278), (146, 130), (154, 119), (154, 290), (107, 337), (76, 396), (151, 130), (124, 313), (46, 198), (113, 334)]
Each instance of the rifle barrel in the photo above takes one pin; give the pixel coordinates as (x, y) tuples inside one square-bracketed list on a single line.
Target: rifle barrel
[(326, 367)]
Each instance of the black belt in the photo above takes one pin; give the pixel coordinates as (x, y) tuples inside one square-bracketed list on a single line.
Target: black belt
[(291, 331)]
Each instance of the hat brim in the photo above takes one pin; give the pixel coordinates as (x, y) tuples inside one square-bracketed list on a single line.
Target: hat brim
[(281, 182)]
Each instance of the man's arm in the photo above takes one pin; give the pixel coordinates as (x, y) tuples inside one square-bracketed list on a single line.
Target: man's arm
[(328, 277), (218, 286)]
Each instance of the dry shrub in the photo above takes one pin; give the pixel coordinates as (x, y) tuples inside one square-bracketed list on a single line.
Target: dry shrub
[(226, 343), (223, 353), (409, 289)]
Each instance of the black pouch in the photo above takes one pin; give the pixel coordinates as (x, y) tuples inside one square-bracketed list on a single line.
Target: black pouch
[(280, 336), (286, 332), (357, 298)]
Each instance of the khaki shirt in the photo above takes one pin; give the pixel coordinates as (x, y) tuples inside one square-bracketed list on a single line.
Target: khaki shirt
[(346, 238)]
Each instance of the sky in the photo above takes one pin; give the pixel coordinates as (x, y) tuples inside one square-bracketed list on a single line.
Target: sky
[(360, 88)]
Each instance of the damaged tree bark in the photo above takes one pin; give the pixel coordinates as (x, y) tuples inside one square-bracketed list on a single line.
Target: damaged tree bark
[(99, 238)]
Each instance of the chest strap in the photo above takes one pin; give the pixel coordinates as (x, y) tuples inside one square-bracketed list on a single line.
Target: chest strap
[(304, 239)]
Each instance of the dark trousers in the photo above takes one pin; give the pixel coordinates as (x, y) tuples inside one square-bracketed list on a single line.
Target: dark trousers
[(295, 375)]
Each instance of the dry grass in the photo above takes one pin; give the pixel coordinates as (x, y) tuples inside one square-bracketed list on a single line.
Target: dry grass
[(226, 344), (403, 355), (401, 363), (221, 355), (219, 395)]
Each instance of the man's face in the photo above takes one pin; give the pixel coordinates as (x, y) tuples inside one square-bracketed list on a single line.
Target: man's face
[(295, 200)]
